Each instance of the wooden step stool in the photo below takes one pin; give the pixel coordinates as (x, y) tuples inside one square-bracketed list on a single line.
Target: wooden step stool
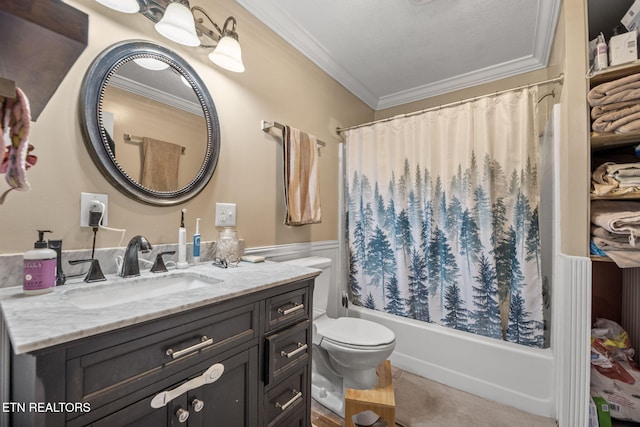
[(379, 399)]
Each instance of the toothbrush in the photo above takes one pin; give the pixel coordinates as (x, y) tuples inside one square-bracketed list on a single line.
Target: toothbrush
[(182, 243), (196, 243)]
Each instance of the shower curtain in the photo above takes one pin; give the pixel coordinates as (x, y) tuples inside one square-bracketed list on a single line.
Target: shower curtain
[(442, 217)]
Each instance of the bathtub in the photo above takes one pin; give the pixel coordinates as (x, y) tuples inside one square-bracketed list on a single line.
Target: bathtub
[(512, 374)]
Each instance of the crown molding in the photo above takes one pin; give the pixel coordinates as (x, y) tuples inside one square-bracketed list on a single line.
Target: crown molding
[(297, 36)]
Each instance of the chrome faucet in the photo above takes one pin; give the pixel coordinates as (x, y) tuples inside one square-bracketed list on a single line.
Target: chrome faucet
[(130, 266)]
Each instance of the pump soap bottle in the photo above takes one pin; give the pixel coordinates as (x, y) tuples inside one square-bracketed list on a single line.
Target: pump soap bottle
[(39, 267), (602, 57), (182, 243)]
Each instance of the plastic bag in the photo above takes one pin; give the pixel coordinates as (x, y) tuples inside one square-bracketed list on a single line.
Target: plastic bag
[(615, 376)]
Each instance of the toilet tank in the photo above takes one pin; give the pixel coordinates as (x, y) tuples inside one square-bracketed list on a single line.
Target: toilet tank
[(323, 281)]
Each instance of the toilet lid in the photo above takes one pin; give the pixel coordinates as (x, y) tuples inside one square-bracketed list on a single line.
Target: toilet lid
[(353, 331)]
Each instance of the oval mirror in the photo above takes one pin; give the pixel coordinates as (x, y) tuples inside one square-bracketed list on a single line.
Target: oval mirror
[(149, 123)]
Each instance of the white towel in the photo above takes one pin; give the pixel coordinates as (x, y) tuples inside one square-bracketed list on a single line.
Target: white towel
[(618, 217)]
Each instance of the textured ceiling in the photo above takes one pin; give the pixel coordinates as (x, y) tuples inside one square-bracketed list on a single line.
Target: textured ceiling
[(390, 52)]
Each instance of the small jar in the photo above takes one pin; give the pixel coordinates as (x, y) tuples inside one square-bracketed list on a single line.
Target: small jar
[(228, 247)]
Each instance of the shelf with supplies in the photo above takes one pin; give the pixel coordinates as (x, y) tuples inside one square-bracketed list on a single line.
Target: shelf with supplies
[(611, 147), (598, 258), (635, 195), (610, 140), (605, 141), (614, 72)]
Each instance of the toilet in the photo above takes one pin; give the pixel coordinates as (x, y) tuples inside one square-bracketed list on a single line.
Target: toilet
[(346, 350)]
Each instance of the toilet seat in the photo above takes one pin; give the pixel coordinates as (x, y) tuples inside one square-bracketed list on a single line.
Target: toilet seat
[(354, 332)]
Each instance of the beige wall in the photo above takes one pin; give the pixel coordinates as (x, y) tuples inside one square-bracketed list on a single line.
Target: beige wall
[(279, 84)]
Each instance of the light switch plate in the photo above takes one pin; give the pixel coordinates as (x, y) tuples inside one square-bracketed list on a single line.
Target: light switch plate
[(225, 214)]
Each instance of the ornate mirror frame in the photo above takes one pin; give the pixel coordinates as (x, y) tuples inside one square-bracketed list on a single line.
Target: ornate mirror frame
[(92, 91)]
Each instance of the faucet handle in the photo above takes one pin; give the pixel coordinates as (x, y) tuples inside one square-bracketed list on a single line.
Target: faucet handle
[(158, 265), (95, 272)]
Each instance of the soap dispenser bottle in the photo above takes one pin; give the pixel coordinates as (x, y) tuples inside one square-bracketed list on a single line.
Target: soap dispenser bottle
[(39, 267), (602, 57)]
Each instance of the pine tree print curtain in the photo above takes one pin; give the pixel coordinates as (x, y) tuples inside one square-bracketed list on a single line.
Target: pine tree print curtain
[(442, 217)]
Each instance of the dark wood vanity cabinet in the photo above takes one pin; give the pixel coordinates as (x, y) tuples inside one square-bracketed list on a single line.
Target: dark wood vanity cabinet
[(263, 341)]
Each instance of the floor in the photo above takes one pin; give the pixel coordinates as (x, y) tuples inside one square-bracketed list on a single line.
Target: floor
[(421, 402)]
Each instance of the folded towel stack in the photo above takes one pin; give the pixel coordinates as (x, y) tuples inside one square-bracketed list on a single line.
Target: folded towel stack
[(615, 178), (616, 105), (615, 227)]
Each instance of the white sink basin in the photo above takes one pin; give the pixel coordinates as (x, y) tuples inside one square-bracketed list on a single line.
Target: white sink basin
[(136, 289)]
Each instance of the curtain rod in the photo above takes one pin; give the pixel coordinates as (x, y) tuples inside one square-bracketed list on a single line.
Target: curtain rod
[(558, 79)]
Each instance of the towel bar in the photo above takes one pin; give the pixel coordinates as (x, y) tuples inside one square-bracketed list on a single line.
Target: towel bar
[(266, 126), (138, 139)]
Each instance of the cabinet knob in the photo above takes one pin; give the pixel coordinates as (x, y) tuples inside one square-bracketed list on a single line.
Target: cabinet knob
[(182, 414), (197, 405)]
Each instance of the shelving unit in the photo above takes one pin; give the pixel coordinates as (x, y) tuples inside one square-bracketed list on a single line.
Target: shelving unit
[(609, 283), (612, 146), (60, 33)]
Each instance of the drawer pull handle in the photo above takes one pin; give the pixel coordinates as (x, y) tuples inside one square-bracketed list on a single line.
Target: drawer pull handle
[(297, 395), (204, 342), (290, 310), (301, 348), (209, 376)]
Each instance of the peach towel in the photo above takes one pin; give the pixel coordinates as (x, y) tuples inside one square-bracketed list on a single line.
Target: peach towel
[(301, 184), (160, 163)]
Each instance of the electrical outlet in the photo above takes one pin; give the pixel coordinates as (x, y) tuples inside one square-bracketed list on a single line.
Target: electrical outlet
[(89, 203), (225, 214)]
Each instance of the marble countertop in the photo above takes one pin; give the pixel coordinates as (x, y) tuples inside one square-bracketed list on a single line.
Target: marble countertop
[(35, 322)]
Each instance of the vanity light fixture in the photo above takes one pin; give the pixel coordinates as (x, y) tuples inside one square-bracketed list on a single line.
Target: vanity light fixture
[(175, 20), (177, 24), (227, 52), (125, 6)]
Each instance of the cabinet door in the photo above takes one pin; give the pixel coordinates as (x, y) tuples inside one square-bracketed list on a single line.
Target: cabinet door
[(231, 401)]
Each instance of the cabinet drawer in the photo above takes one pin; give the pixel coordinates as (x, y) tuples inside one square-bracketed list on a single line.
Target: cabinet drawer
[(285, 399), (297, 419), (287, 349), (288, 308), (109, 373)]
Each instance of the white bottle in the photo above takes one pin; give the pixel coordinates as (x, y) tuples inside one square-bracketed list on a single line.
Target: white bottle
[(40, 266), (182, 243), (602, 57)]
